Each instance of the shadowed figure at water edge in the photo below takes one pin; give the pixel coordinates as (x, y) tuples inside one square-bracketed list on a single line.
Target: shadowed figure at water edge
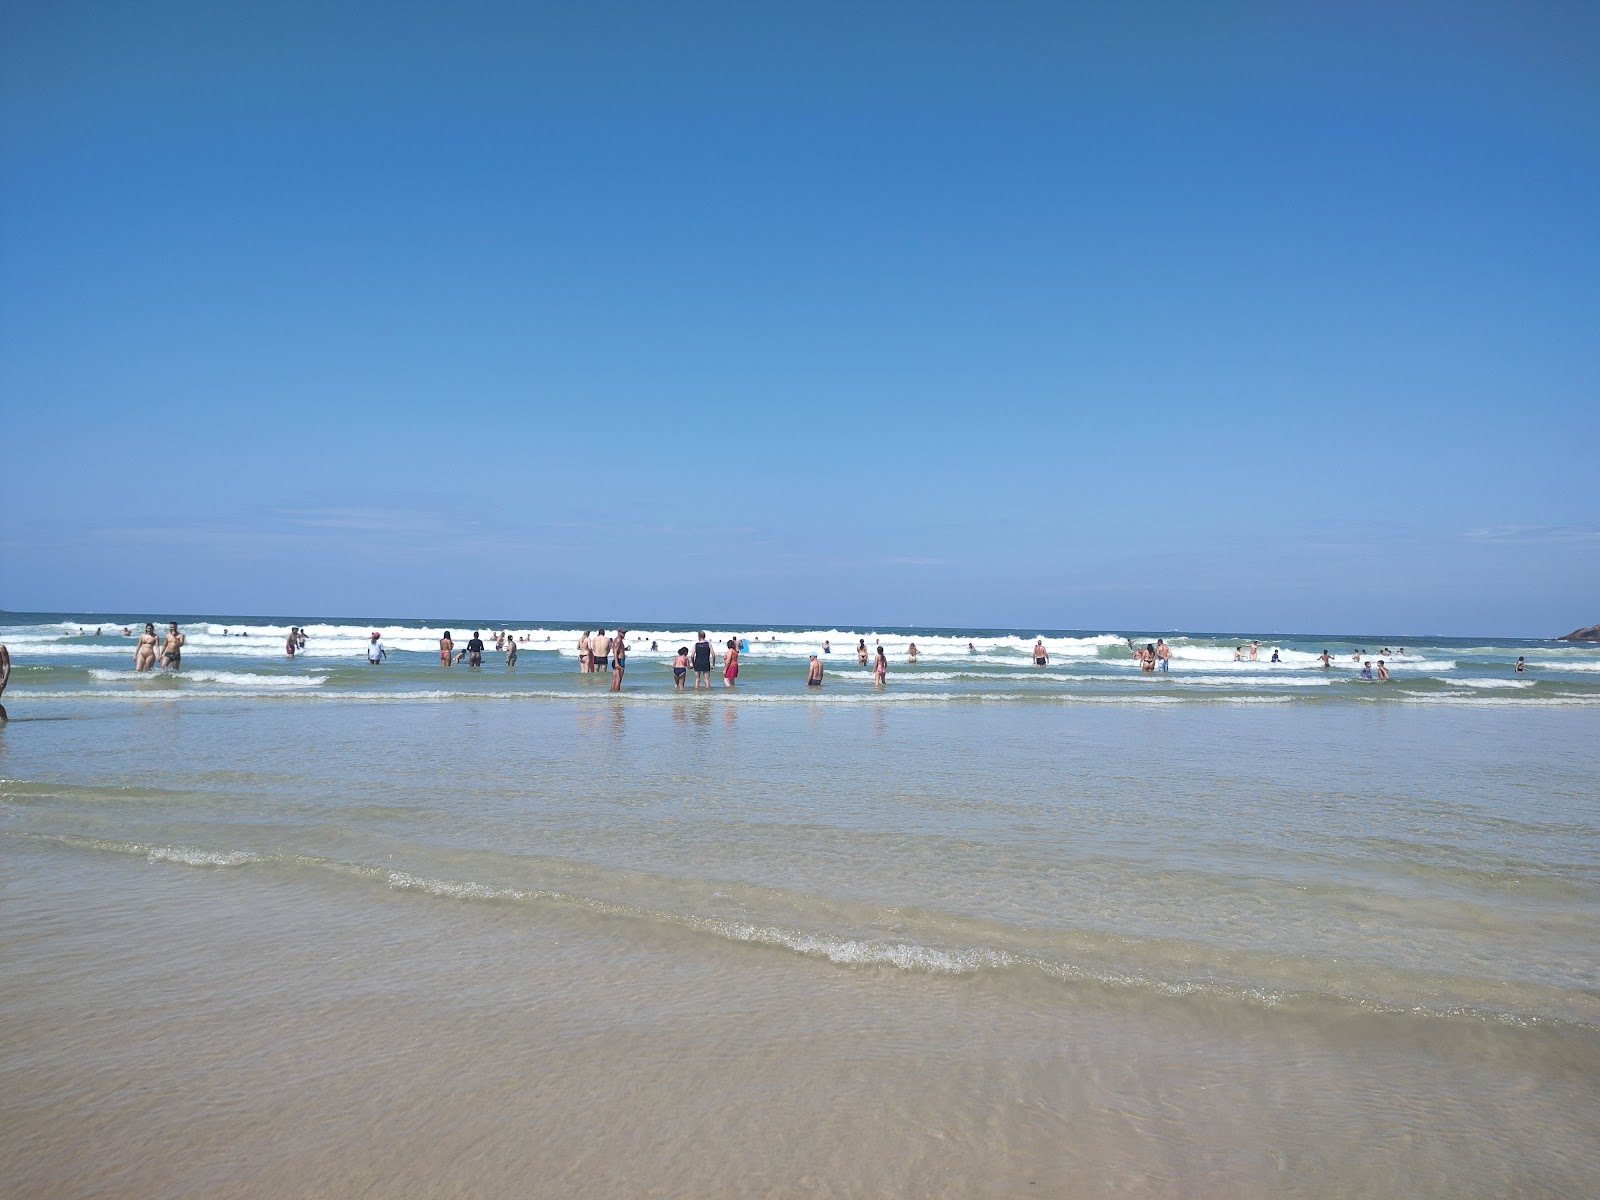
[(5, 676)]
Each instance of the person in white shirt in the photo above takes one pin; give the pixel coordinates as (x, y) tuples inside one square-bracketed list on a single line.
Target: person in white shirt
[(375, 651)]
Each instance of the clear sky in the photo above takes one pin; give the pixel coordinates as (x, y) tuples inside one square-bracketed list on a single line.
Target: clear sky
[(1209, 316)]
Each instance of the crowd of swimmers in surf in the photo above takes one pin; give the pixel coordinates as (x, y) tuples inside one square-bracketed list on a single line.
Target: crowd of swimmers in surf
[(598, 652)]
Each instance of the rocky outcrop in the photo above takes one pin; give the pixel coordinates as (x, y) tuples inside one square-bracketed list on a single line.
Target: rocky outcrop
[(1591, 634)]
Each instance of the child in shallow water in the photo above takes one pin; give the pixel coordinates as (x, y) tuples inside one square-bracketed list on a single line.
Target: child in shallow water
[(680, 665)]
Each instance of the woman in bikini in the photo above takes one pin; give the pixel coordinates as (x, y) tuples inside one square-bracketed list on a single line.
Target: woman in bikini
[(730, 663), (861, 652), (880, 671), (447, 649), (144, 654)]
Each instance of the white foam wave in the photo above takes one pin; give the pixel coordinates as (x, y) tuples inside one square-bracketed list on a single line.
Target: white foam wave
[(228, 678)]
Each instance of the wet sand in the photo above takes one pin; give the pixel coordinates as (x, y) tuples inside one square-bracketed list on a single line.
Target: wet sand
[(174, 1031)]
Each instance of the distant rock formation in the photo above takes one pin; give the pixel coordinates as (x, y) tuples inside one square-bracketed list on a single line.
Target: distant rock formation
[(1591, 634)]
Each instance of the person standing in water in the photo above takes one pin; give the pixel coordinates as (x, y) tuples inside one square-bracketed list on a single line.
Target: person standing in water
[(1041, 656), (375, 651), (880, 669), (585, 654), (1163, 654), (1521, 666), (911, 652), (5, 676), (730, 663), (172, 648), (290, 643), (619, 659), (511, 652), (447, 650), (144, 654), (814, 672), (475, 650), (1383, 671), (601, 647), (1325, 659), (861, 652), (702, 662), (680, 668)]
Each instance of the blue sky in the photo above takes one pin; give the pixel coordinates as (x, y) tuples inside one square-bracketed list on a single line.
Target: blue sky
[(1226, 317)]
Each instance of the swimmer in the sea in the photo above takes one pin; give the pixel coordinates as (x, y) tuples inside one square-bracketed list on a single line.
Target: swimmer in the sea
[(1521, 666), (447, 650), (144, 654), (861, 652), (172, 648), (292, 641), (1041, 656), (1366, 670), (475, 650), (619, 659), (1163, 654), (1325, 659), (911, 652), (814, 672), (702, 662), (1383, 671)]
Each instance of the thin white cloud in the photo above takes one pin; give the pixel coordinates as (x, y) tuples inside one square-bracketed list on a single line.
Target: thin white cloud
[(1511, 534)]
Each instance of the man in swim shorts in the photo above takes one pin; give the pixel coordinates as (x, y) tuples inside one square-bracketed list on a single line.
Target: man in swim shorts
[(601, 647), (1041, 656), (619, 659), (172, 650), (814, 673), (1163, 654)]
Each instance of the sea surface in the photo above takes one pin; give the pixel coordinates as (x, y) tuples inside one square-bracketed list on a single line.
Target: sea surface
[(304, 925)]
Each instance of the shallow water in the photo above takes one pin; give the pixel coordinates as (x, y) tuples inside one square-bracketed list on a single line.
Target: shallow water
[(593, 945)]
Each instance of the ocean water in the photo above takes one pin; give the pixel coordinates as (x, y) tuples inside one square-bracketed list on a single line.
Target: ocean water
[(311, 926)]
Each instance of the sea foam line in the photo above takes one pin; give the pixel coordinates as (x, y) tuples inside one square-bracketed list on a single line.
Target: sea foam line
[(843, 950)]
